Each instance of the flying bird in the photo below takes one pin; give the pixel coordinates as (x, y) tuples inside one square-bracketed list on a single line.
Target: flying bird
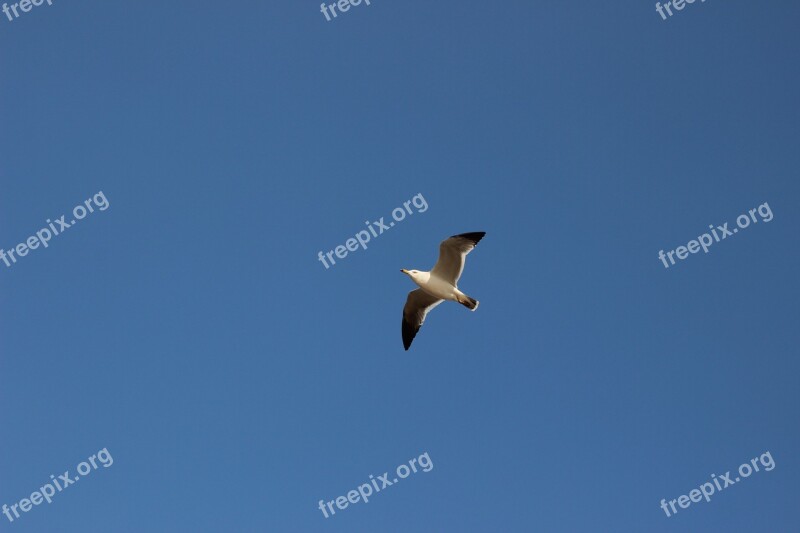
[(440, 284)]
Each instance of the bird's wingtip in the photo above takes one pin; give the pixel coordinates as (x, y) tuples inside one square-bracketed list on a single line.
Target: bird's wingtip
[(473, 236)]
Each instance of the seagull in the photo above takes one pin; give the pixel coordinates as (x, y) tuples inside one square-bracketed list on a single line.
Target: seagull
[(438, 285)]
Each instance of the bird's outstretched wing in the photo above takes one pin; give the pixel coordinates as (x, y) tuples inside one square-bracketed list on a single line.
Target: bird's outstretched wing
[(417, 306), (452, 254)]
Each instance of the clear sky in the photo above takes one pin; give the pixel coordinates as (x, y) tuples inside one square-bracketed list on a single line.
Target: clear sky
[(191, 330)]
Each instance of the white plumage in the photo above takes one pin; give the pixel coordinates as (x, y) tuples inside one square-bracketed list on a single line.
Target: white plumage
[(440, 284)]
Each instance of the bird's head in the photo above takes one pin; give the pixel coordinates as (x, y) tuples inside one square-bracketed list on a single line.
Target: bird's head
[(410, 273)]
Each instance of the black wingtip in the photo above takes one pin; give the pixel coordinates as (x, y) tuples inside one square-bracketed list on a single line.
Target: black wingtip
[(408, 334), (474, 236)]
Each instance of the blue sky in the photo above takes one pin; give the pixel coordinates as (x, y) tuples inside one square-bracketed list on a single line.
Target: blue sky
[(190, 329)]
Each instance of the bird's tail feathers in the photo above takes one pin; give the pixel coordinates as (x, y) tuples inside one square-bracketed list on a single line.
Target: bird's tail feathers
[(469, 303)]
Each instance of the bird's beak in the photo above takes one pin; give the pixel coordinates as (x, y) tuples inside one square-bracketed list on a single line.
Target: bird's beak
[(404, 271)]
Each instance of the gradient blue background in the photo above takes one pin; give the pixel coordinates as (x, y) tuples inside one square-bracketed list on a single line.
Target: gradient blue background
[(191, 330)]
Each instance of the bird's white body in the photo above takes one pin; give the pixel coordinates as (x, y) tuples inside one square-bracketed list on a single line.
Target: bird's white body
[(435, 286)]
